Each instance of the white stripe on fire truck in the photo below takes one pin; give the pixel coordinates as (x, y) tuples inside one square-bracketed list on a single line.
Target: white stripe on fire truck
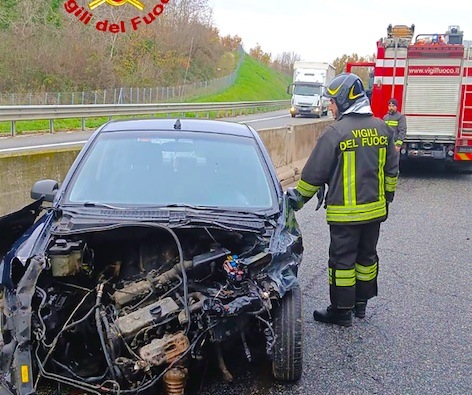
[(389, 80), (401, 81), (390, 63)]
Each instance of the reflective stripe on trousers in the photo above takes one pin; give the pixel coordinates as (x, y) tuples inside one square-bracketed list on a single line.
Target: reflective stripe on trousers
[(353, 263)]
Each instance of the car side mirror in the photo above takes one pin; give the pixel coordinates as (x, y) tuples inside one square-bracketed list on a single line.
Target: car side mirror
[(46, 189)]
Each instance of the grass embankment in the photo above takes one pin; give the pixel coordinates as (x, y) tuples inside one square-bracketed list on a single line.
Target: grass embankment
[(255, 82)]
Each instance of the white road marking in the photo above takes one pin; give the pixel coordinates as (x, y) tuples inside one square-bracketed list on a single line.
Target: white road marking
[(43, 146), (266, 119)]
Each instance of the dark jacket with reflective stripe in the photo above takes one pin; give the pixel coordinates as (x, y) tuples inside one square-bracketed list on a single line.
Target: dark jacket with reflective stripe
[(397, 121), (356, 157)]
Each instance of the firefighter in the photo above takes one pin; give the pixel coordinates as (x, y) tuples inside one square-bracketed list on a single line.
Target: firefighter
[(355, 157), (397, 121)]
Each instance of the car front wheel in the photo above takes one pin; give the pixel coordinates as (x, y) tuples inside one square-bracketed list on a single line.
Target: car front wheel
[(288, 342)]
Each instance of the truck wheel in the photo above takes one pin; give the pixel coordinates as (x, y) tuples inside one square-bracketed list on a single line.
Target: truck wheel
[(288, 341)]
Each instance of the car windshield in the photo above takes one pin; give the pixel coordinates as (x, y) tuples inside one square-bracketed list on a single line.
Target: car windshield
[(307, 90), (166, 168)]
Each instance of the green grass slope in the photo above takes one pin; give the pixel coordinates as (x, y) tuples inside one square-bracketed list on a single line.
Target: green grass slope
[(255, 81)]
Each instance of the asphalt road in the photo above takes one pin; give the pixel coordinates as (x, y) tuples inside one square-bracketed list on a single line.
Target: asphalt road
[(416, 338)]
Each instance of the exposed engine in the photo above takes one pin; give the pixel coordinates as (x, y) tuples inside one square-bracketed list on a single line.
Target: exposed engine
[(117, 311)]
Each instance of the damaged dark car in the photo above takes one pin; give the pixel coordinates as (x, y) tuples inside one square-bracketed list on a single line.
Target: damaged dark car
[(167, 240)]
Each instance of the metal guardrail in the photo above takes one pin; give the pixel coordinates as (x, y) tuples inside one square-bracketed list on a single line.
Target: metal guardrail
[(14, 114)]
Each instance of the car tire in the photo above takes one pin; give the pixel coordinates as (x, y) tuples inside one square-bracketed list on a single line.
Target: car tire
[(288, 337)]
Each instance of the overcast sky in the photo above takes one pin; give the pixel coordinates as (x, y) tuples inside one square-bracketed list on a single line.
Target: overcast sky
[(324, 30)]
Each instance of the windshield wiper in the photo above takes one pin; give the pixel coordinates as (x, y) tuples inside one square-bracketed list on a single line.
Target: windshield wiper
[(219, 210), (184, 205), (103, 205)]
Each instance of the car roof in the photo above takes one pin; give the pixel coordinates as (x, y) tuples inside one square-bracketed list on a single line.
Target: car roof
[(186, 125)]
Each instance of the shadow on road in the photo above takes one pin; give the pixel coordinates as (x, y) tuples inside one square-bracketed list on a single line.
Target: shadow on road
[(248, 377), (433, 170)]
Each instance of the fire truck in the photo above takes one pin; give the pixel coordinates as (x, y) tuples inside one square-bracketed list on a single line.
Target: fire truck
[(431, 77)]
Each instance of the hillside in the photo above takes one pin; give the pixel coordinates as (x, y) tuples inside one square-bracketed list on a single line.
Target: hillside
[(45, 48), (47, 51), (255, 81)]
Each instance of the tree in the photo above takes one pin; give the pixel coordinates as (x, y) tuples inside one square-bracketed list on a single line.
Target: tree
[(258, 54), (231, 43), (285, 61), (24, 15), (44, 48), (362, 72)]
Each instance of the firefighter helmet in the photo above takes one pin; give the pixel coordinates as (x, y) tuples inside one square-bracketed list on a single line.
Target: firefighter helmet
[(345, 89)]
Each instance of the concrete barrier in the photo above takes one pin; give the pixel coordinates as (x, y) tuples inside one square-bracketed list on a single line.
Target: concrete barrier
[(289, 148)]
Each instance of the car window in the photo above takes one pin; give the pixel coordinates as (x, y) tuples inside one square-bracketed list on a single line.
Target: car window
[(160, 169)]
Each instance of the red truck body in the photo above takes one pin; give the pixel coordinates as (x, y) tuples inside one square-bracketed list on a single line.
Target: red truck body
[(431, 77)]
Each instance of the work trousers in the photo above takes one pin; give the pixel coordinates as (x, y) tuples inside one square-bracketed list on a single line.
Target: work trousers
[(353, 263)]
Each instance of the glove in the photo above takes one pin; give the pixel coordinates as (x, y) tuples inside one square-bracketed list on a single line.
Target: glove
[(389, 198), (320, 196), (295, 199)]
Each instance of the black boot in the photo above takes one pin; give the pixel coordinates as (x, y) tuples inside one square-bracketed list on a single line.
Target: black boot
[(359, 308), (332, 315)]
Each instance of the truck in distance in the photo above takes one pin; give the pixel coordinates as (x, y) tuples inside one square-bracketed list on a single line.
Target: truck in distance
[(309, 83)]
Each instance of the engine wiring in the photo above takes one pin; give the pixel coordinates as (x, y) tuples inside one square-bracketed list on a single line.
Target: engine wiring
[(101, 388)]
